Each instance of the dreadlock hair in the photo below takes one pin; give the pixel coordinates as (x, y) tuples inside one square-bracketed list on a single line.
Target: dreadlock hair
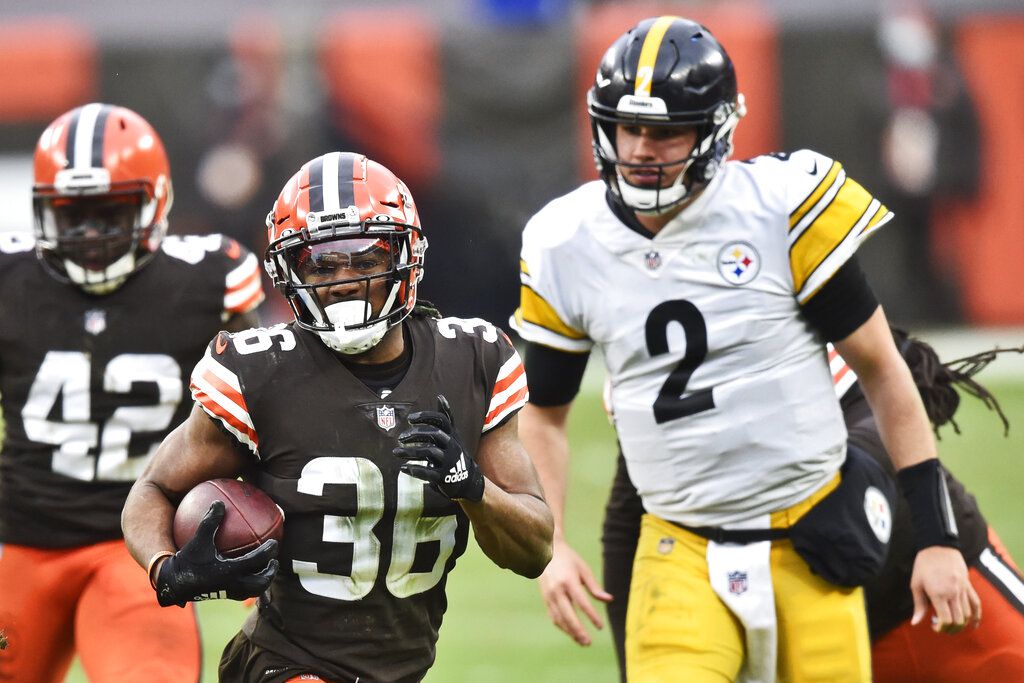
[(426, 309), (937, 382)]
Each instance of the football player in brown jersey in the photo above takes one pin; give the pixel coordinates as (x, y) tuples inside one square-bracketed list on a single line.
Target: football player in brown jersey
[(381, 429), (101, 319)]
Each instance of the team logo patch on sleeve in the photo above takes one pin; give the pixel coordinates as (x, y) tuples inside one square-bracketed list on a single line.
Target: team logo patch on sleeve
[(738, 263)]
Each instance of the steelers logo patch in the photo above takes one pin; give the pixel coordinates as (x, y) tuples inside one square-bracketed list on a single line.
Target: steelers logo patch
[(738, 263), (876, 507)]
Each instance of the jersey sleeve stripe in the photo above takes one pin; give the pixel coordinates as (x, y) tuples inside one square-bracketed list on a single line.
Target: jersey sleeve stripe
[(243, 289), (816, 194), (500, 396), (881, 217), (843, 376), (534, 309), (845, 217), (540, 335), (241, 273), (512, 370), (513, 403), (217, 390), (524, 269), (246, 299)]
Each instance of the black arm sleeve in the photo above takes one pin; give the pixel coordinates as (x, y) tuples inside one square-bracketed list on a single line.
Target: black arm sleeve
[(843, 304), (554, 376)]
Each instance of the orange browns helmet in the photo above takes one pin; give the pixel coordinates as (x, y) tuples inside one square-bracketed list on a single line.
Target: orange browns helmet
[(344, 205), (101, 196)]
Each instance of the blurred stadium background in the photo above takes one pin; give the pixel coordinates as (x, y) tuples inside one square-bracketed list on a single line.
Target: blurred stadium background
[(478, 105)]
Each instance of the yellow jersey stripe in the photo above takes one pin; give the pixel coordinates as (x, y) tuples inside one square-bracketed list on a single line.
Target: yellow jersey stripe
[(536, 311), (649, 55), (832, 226), (815, 195), (523, 268)]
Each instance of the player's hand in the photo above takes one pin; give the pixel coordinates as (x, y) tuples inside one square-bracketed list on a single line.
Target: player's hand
[(199, 572), (567, 585), (940, 579), (433, 452)]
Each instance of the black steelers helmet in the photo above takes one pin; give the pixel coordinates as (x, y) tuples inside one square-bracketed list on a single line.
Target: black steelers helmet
[(665, 71)]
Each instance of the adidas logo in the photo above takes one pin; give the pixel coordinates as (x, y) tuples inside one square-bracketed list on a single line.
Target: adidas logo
[(459, 472), (213, 595)]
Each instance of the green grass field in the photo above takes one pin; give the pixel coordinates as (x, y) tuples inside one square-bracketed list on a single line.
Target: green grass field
[(497, 630)]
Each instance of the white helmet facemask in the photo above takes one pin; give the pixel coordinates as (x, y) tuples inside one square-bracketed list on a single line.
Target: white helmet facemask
[(346, 337), (101, 281)]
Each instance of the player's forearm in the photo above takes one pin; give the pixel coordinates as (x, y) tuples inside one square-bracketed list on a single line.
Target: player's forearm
[(146, 522), (542, 432), (901, 417), (513, 529)]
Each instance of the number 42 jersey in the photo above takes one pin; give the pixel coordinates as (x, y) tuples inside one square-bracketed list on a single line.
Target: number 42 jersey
[(720, 390), (90, 385), (367, 548)]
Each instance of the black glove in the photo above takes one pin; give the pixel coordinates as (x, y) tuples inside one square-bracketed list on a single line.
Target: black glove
[(433, 452), (198, 572)]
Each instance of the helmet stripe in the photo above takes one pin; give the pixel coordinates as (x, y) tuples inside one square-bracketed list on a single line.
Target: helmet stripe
[(99, 135), (80, 140), (330, 176), (649, 55), (346, 174), (69, 151), (316, 184)]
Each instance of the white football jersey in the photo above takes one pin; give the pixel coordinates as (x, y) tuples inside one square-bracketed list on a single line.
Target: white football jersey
[(721, 391)]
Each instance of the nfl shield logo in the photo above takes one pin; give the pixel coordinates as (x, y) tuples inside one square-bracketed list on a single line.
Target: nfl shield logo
[(652, 260), (385, 417), (95, 321), (737, 583)]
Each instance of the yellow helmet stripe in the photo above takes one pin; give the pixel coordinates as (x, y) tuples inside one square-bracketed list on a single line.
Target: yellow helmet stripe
[(649, 55)]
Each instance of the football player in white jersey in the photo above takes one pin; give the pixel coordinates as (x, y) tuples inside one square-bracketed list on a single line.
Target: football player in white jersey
[(710, 288)]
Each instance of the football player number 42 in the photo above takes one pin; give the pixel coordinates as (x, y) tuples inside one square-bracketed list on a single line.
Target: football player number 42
[(85, 451)]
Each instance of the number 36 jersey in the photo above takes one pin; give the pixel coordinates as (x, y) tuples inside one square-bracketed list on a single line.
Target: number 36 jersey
[(367, 548), (90, 385), (720, 390)]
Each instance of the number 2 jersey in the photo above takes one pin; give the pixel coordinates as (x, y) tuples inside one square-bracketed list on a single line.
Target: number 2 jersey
[(90, 385), (367, 549), (720, 389)]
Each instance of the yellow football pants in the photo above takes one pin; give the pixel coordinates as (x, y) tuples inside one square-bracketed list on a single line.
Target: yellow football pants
[(677, 629)]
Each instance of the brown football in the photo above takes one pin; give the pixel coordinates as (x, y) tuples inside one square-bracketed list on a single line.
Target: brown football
[(250, 516)]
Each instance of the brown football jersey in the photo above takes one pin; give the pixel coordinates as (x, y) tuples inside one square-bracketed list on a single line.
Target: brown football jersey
[(89, 385), (367, 549)]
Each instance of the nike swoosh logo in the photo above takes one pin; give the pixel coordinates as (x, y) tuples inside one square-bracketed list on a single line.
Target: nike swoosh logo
[(221, 343), (603, 82), (814, 168)]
